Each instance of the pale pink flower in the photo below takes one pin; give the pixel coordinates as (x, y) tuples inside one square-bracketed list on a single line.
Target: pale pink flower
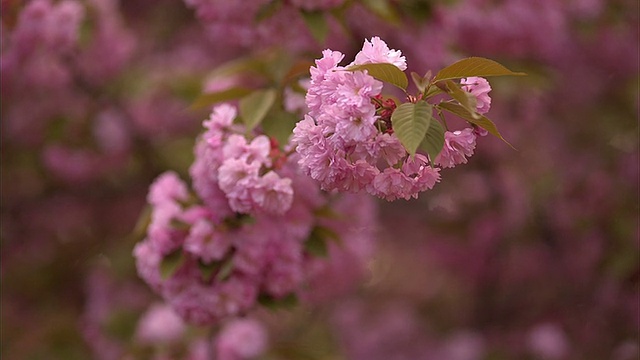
[(273, 194), (148, 263), (236, 174), (548, 341), (161, 233), (167, 188), (392, 184), (205, 242), (480, 88), (307, 134), (458, 146), (241, 339), (160, 324), (222, 117), (424, 176), (258, 150), (376, 51)]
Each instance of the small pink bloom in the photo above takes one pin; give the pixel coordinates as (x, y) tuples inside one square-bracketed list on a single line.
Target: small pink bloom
[(241, 339), (221, 117), (376, 51), (160, 324), (205, 242), (392, 184), (478, 87), (458, 146), (273, 194), (236, 147), (167, 188), (237, 173)]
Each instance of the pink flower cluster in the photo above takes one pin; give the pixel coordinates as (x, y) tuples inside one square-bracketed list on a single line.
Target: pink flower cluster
[(243, 234), (241, 339), (244, 171), (346, 141)]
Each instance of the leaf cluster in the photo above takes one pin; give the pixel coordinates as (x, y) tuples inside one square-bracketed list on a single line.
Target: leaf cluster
[(413, 122)]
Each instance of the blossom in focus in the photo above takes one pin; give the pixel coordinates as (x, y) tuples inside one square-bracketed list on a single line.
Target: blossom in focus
[(478, 87), (458, 146), (376, 51)]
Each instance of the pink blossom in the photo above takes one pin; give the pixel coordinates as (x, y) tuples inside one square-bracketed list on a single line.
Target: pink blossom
[(236, 175), (548, 341), (273, 193), (222, 117), (458, 146), (258, 150), (480, 88), (148, 263), (376, 51), (206, 243), (161, 233), (167, 188), (392, 184), (160, 324), (240, 340)]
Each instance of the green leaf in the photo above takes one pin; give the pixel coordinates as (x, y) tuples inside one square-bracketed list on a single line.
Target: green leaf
[(144, 220), (268, 10), (180, 225), (383, 9), (273, 303), (297, 70), (279, 125), (209, 99), (473, 66), (410, 124), (384, 72), (420, 82), (255, 106), (225, 270), (171, 263), (207, 270), (465, 98), (317, 24), (481, 121), (316, 244), (242, 65), (326, 233), (434, 140)]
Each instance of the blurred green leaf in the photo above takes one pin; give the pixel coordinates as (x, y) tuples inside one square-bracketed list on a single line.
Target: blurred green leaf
[(225, 269), (273, 303), (317, 24), (384, 72), (208, 270), (243, 65), (473, 66), (255, 106), (410, 124), (171, 263), (279, 125), (316, 245), (268, 9), (298, 69), (383, 9), (209, 99), (421, 82)]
